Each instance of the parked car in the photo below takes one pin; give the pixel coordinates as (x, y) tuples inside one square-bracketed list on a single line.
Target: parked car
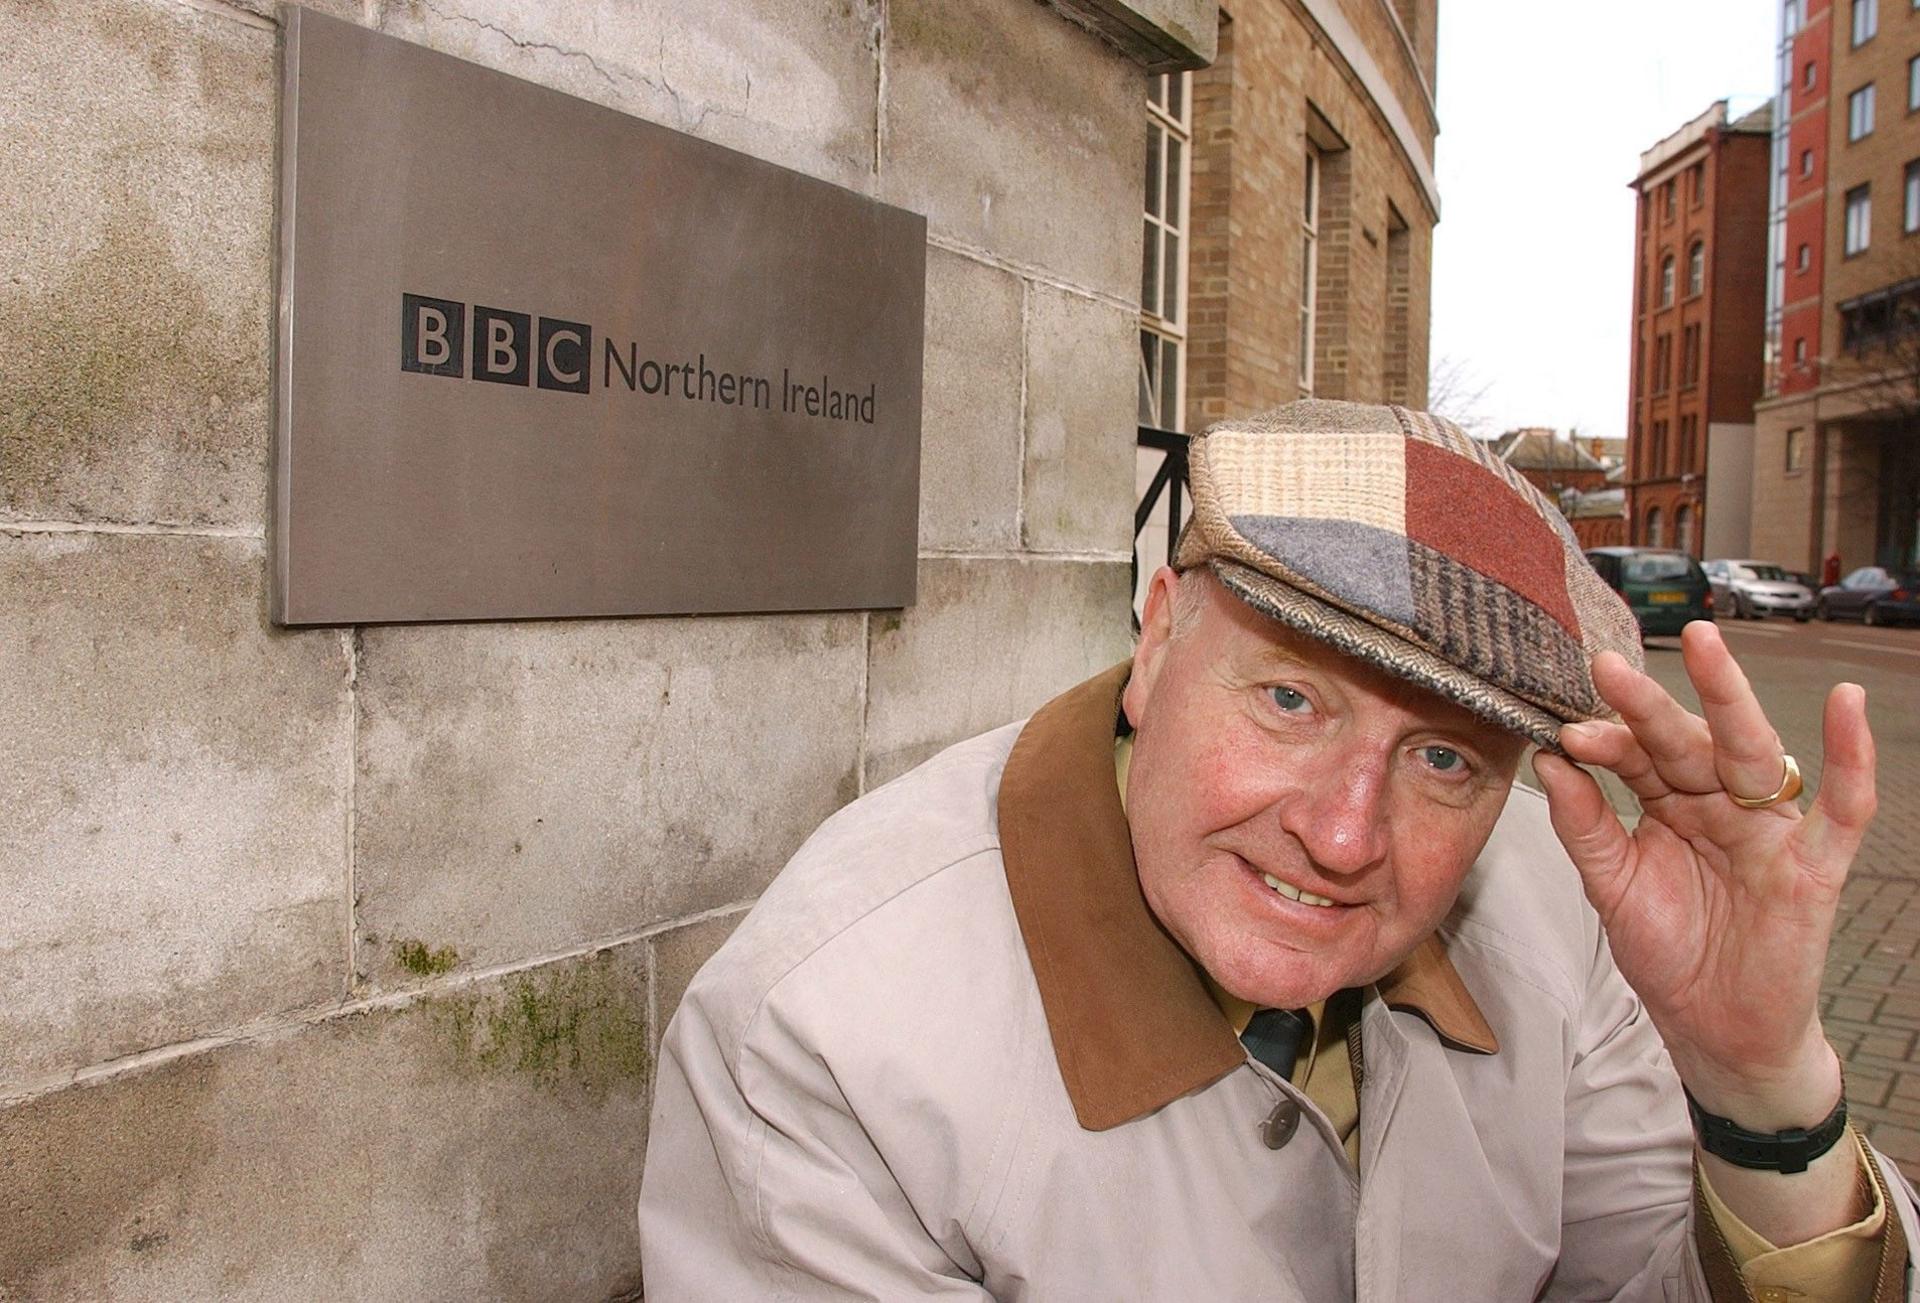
[(1872, 594), (1663, 589), (1748, 590)]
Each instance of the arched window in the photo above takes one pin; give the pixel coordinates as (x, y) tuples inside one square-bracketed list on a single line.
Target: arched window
[(1683, 527), (1656, 536), (1696, 268), (1666, 281)]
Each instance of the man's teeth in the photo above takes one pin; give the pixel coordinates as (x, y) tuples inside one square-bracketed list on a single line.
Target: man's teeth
[(1292, 892)]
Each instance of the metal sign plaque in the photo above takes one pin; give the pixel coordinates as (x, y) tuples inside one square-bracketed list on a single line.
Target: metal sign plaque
[(540, 358)]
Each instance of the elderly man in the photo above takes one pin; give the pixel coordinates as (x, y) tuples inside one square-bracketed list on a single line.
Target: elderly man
[(1243, 970)]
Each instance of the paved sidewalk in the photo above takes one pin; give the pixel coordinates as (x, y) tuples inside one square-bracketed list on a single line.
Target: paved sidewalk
[(1871, 1001)]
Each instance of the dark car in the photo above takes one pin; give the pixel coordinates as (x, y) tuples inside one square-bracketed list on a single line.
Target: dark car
[(1872, 594), (1664, 589)]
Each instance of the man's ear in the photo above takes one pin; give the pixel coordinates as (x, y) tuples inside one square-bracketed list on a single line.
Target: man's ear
[(1150, 653)]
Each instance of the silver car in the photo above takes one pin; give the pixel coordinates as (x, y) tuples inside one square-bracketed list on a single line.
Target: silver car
[(1749, 590)]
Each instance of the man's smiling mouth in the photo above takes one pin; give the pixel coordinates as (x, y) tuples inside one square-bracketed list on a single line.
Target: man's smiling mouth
[(1294, 893)]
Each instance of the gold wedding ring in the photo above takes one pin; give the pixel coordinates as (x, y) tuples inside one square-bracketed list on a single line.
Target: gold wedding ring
[(1790, 787)]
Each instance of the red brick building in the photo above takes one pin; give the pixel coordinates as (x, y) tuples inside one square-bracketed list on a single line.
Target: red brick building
[(1554, 465), (1699, 301), (1837, 446)]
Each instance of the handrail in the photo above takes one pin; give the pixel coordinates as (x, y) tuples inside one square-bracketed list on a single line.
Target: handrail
[(1169, 481)]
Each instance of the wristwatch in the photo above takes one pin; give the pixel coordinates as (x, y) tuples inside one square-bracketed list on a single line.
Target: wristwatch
[(1767, 1151)]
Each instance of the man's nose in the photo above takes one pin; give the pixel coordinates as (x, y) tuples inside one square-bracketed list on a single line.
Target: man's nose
[(1340, 817)]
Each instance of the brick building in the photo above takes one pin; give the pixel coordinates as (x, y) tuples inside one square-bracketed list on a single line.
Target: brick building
[(1835, 458), (1556, 466), (1699, 318), (1290, 206)]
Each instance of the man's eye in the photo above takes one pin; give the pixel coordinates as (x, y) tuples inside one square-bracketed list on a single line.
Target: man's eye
[(1288, 700), (1443, 759)]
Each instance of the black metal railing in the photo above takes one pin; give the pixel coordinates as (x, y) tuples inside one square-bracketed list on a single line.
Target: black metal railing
[(1169, 483)]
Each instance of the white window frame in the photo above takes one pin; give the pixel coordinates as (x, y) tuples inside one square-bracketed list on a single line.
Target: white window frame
[(1805, 258), (1910, 217), (1860, 113), (1806, 162), (1163, 325), (1315, 168), (1696, 268), (1666, 281), (1866, 21), (1913, 81), (1858, 206)]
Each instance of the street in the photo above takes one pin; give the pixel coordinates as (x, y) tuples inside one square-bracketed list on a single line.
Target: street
[(1871, 1002)]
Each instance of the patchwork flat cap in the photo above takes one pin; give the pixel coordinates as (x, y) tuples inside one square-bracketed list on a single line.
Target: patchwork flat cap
[(1398, 539)]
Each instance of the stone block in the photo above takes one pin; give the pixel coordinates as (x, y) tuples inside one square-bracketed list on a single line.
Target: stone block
[(987, 643), (1161, 35), (136, 188), (677, 956), (1015, 131), (970, 423), (1082, 357), (484, 1142), (792, 84), (525, 787), (174, 775)]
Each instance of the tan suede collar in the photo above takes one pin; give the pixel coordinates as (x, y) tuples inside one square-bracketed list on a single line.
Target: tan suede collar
[(1132, 1023)]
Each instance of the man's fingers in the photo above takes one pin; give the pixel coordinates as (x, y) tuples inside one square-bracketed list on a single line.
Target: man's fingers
[(1834, 826), (1612, 746), (1587, 827), (1746, 751), (1675, 740)]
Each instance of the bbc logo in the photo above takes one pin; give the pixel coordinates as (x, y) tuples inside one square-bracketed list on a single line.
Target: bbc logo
[(507, 348)]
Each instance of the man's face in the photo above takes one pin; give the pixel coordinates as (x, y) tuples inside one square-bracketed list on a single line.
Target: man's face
[(1263, 756)]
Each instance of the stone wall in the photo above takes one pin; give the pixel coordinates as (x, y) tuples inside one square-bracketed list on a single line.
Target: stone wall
[(335, 958)]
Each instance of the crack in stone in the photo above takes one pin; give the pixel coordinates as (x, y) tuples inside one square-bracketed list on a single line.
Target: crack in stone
[(520, 44), (613, 78)]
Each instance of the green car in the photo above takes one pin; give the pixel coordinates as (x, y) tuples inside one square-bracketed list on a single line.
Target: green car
[(1664, 589)]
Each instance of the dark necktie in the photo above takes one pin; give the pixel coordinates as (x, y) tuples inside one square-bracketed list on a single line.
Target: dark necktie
[(1274, 1036)]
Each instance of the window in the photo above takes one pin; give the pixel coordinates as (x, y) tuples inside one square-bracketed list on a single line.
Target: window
[(1805, 258), (1662, 363), (1860, 113), (1683, 527), (1697, 184), (1859, 219), (1163, 322), (1806, 77), (1866, 20), (1913, 83), (1666, 281), (1656, 533), (1666, 200), (1689, 359), (1696, 268), (1309, 265), (1910, 219), (1800, 351), (1790, 17), (1796, 451), (1806, 162)]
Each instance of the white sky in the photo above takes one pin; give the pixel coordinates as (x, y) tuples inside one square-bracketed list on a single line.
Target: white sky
[(1545, 106)]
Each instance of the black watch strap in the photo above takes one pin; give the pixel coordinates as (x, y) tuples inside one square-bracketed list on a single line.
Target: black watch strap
[(1767, 1151)]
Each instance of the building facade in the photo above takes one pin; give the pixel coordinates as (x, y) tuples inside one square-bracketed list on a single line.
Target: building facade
[(1837, 448), (335, 958), (1290, 207), (1699, 319)]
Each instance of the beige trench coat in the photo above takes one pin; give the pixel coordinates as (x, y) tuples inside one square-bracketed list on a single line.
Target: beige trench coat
[(950, 1054)]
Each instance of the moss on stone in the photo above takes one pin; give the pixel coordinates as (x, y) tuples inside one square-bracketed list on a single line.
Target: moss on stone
[(580, 1024), (423, 961)]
